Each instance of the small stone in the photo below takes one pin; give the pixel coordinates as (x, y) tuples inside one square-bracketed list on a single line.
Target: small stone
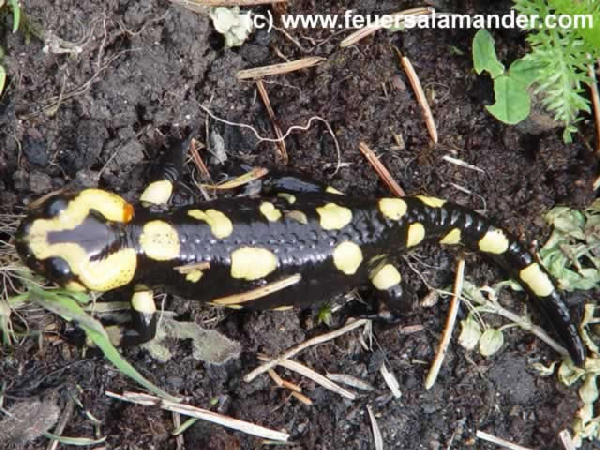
[(40, 183)]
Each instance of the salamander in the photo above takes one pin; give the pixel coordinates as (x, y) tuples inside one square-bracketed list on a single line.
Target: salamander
[(295, 244)]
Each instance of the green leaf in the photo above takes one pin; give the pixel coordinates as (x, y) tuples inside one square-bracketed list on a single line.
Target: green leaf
[(512, 100), (490, 342), (470, 334), (484, 54), (525, 71), (16, 14)]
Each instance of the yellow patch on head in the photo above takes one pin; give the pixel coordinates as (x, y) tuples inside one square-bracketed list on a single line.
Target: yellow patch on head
[(332, 190), (539, 282), (392, 208), (386, 277), (112, 206), (143, 302), (291, 199), (159, 241), (157, 192), (453, 237), (194, 276), (220, 225), (114, 270), (298, 216), (347, 257), (334, 217), (494, 242), (269, 211), (252, 263), (434, 202), (416, 233)]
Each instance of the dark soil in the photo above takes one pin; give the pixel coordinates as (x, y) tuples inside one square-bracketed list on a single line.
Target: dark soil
[(99, 117)]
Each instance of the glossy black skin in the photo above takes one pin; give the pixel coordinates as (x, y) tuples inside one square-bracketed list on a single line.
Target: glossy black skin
[(306, 249)]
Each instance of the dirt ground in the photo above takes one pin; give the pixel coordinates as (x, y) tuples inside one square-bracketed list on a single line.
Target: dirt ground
[(99, 117)]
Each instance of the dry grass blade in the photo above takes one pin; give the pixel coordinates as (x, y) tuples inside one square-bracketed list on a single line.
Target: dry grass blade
[(315, 376), (566, 440), (358, 35), (283, 383), (595, 103), (391, 381), (191, 267), (450, 321), (351, 381), (259, 292), (198, 161), (253, 175), (376, 433), (498, 441), (196, 5), (279, 69), (460, 162), (267, 102), (302, 398), (295, 350), (413, 78), (381, 170), (199, 413)]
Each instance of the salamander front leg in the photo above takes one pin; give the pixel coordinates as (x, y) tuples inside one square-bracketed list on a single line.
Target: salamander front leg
[(166, 174), (144, 318), (393, 295)]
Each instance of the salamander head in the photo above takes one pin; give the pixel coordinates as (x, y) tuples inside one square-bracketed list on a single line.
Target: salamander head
[(75, 241)]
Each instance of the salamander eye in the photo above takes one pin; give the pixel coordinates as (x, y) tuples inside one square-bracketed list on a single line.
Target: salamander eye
[(58, 270), (54, 205)]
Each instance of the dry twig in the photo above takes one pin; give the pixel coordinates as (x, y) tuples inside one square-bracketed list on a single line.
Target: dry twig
[(315, 376), (194, 4), (279, 69), (267, 102), (498, 441), (378, 440), (595, 103), (295, 350), (413, 78), (450, 321), (257, 293), (381, 170), (370, 29), (199, 413)]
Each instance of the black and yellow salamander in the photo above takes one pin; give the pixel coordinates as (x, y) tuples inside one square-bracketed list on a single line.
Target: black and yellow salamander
[(303, 241)]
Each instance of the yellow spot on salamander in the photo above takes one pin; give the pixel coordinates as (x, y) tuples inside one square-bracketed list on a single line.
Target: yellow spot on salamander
[(112, 206), (159, 241), (220, 225), (334, 217), (291, 199), (332, 190), (143, 302), (386, 277), (194, 276), (298, 216), (453, 237), (157, 192), (494, 241), (75, 286), (539, 282), (392, 208), (416, 233), (434, 202), (252, 263), (270, 212), (347, 257)]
